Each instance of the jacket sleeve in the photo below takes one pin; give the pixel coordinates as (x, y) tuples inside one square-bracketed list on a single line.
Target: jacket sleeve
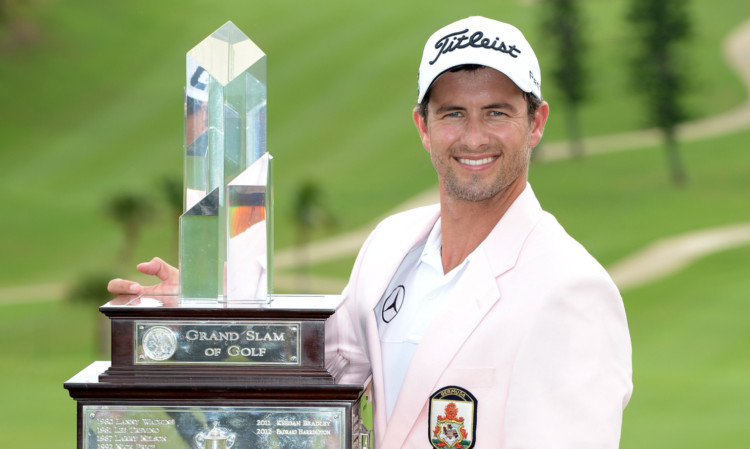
[(348, 326), (572, 375)]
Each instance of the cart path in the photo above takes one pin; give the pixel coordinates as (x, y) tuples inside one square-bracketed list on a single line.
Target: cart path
[(657, 260), (661, 258), (670, 255)]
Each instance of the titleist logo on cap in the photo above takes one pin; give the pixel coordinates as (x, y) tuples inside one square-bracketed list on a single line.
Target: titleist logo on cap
[(461, 39)]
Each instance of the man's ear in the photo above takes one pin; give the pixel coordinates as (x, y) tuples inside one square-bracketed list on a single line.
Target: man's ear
[(421, 124), (537, 124)]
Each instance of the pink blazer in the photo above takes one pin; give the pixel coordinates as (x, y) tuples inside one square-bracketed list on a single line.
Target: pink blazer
[(536, 332)]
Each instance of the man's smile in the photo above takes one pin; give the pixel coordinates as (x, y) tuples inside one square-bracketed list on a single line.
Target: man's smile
[(476, 162)]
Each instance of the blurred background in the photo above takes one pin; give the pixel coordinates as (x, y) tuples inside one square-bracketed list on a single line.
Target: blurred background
[(644, 161)]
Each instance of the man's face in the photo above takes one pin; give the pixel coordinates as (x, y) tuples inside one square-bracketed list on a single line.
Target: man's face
[(479, 134)]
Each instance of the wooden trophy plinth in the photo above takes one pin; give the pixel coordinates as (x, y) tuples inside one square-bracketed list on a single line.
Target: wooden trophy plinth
[(218, 376)]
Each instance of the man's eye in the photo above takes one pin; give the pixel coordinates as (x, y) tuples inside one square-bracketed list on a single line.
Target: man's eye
[(497, 113)]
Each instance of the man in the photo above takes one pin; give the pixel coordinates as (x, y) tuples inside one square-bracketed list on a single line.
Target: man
[(485, 324)]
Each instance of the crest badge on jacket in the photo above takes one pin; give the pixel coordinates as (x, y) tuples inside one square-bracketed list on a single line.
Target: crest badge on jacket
[(453, 417)]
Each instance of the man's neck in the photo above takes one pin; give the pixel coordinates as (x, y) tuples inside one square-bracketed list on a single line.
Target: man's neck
[(466, 224)]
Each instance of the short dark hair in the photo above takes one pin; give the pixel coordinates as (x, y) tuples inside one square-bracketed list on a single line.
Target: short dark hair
[(532, 101)]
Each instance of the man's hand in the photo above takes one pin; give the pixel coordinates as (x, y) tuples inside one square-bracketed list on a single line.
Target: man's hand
[(169, 285)]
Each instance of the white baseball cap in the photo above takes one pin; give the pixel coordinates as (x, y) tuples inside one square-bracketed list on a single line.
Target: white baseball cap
[(482, 41)]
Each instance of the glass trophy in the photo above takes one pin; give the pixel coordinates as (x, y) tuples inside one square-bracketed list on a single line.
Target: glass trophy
[(225, 157)]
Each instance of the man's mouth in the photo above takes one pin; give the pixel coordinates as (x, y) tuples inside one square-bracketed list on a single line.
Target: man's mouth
[(485, 160)]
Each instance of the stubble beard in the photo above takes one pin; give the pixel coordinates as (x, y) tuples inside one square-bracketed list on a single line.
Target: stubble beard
[(476, 188)]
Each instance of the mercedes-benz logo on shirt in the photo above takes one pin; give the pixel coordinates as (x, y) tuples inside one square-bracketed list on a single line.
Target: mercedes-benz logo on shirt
[(392, 303)]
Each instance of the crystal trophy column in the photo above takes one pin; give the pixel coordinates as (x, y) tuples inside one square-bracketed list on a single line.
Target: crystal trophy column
[(249, 249), (222, 366), (225, 134), (199, 226)]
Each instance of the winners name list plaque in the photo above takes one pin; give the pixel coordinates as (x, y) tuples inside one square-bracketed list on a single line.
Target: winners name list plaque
[(225, 363)]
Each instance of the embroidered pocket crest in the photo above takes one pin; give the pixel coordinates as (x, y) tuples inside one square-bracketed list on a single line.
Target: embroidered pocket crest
[(453, 416)]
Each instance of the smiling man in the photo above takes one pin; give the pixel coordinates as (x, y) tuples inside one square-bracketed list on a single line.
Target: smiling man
[(485, 323)]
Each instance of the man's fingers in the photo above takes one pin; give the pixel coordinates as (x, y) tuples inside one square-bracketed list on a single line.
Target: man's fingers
[(169, 276), (151, 267), (123, 287), (157, 267)]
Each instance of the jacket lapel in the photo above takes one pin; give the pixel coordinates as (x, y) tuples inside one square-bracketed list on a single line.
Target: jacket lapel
[(473, 296), (370, 293)]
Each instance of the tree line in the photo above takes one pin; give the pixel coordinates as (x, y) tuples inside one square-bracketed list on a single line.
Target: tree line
[(657, 66)]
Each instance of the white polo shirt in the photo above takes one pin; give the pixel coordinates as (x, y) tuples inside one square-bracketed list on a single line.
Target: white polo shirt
[(413, 298)]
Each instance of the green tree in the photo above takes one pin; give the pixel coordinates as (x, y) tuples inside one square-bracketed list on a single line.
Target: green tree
[(90, 290), (660, 28), (564, 28), (130, 211), (17, 28), (309, 213)]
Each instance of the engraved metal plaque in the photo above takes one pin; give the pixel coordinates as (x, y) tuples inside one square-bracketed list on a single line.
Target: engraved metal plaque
[(254, 343), (146, 427)]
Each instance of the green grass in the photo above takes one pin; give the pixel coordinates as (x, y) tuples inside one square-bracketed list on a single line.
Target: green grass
[(44, 344), (96, 109), (690, 361), (617, 203)]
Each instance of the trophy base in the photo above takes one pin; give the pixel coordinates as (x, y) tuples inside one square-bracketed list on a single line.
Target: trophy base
[(217, 375), (243, 415)]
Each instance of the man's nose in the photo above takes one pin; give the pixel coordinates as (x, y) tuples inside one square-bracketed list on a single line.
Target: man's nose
[(475, 133)]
